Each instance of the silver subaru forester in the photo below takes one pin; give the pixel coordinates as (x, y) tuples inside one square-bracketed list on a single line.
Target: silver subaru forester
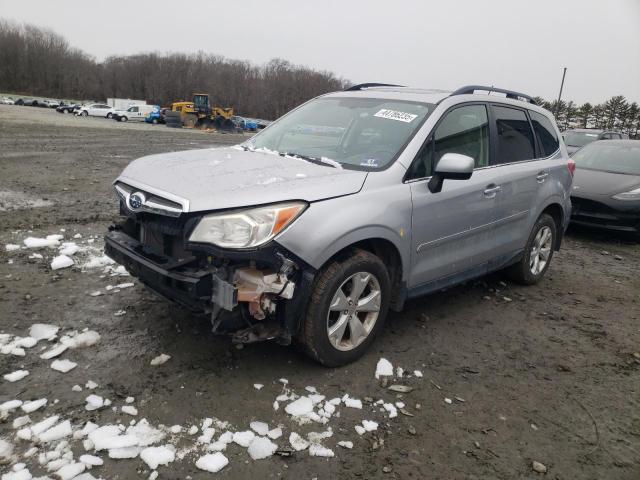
[(346, 207)]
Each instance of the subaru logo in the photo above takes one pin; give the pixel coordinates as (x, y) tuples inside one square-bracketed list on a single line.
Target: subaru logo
[(136, 200)]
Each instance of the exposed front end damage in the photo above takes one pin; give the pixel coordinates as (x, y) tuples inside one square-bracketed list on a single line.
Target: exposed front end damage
[(251, 295)]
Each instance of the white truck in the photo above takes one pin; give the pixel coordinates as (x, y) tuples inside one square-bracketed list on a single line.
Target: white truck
[(123, 103)]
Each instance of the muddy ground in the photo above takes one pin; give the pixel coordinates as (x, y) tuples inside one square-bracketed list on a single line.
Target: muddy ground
[(549, 373)]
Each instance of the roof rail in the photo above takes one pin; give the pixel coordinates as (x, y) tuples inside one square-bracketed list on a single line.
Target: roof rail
[(469, 89), (362, 86)]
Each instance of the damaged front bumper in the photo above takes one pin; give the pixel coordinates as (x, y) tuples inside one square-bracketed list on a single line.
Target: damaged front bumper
[(252, 296)]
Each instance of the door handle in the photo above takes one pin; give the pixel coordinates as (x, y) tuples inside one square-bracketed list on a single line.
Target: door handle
[(542, 176), (491, 190)]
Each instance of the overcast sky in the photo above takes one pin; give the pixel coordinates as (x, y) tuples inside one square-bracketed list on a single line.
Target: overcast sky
[(438, 44)]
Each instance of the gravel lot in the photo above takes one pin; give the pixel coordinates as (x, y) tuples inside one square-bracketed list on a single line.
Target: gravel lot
[(549, 373)]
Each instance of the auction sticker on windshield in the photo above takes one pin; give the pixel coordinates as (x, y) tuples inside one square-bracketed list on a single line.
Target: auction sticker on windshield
[(396, 115)]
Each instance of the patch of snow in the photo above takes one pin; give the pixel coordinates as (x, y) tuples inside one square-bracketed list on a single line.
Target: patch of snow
[(10, 405), (258, 386), (10, 247), (69, 248), (34, 405), (129, 410), (54, 352), (125, 452), (70, 471), (345, 444), (20, 422), (94, 402), (145, 433), (261, 447), (391, 408), (317, 450), (91, 460), (297, 442), (243, 438), (160, 359), (44, 425), (369, 425), (300, 407), (43, 331), (275, 433), (156, 456), (353, 403), (61, 261), (63, 366), (58, 432), (261, 428), (384, 368), (91, 385), (35, 242), (15, 376), (212, 462), (417, 373)]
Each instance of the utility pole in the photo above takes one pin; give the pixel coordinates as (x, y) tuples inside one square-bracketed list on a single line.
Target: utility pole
[(560, 94)]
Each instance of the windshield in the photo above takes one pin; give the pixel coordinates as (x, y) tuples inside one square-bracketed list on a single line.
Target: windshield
[(580, 139), (609, 157), (362, 133)]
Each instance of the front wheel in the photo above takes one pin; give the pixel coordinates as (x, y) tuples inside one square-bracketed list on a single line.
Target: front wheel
[(85, 113), (109, 115), (123, 119), (347, 309), (537, 252)]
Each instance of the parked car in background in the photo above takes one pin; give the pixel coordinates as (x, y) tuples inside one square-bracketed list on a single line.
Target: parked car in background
[(606, 186), (313, 235), (156, 115), (7, 101), (577, 138), (50, 103), (95, 110), (67, 107), (245, 123), (134, 112), (27, 102)]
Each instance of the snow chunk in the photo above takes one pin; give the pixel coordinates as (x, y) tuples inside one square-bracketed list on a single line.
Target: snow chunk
[(317, 450), (275, 433), (34, 405), (129, 410), (44, 425), (175, 429), (297, 442), (130, 400), (359, 429), (70, 471), (369, 425), (160, 359), (261, 428), (300, 407), (261, 447), (61, 261), (417, 373), (94, 402), (35, 242), (353, 403), (61, 430), (345, 444), (6, 451), (391, 408), (91, 385), (258, 386), (212, 462), (42, 331), (384, 368), (9, 405), (145, 433), (243, 438), (15, 376), (91, 460), (126, 452), (85, 339), (63, 366), (54, 352), (19, 475), (69, 248), (10, 247), (20, 422), (155, 456)]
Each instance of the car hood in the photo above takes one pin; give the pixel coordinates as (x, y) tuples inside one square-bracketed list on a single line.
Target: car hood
[(221, 178), (594, 182)]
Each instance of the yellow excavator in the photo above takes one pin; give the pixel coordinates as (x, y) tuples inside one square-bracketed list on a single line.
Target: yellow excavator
[(200, 113)]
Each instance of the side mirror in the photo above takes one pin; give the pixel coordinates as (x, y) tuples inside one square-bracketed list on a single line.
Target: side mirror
[(452, 166)]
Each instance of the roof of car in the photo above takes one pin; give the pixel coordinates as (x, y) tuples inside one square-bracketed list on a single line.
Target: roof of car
[(435, 96), (619, 143), (585, 130)]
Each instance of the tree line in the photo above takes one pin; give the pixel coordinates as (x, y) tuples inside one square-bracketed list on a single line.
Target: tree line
[(38, 61), (617, 113)]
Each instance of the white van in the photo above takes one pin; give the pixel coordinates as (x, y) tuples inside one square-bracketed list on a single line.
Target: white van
[(134, 112)]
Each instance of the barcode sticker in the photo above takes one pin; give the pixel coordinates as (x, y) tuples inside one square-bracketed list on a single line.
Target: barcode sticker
[(396, 115)]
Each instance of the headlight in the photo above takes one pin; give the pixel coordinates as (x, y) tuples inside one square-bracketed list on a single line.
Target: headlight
[(630, 195), (246, 228)]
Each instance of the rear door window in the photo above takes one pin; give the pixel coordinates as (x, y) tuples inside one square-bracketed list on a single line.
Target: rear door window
[(545, 132), (515, 141)]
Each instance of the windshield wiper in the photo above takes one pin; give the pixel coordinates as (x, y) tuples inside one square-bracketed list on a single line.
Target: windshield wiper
[(308, 158)]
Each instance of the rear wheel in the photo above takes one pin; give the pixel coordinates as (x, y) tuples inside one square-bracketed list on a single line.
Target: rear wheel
[(109, 115), (537, 252), (347, 309), (123, 118), (85, 113)]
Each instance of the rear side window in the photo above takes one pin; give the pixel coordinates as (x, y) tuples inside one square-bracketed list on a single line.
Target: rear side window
[(545, 132), (514, 136)]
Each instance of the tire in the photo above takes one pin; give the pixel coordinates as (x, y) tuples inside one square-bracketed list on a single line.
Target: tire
[(154, 121), (527, 271), (122, 118), (343, 274), (85, 113), (109, 115)]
